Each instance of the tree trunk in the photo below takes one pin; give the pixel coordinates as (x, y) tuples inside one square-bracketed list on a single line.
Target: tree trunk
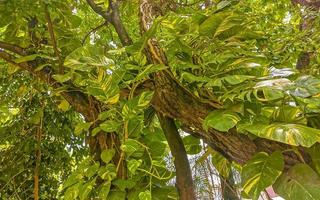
[(183, 172)]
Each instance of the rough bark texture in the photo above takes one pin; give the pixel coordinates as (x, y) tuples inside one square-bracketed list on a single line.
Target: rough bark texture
[(155, 55), (174, 101), (313, 4), (181, 162)]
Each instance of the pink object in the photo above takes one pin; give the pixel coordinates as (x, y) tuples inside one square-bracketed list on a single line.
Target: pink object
[(271, 192)]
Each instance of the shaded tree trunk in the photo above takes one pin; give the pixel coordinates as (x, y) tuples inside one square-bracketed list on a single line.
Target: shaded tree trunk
[(183, 172)]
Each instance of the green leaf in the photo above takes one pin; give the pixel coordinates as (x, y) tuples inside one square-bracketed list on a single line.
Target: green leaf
[(211, 24), (95, 131), (62, 78), (314, 153), (109, 126), (146, 195), (107, 155), (192, 78), (221, 164), (82, 127), (105, 114), (26, 58), (117, 195), (236, 79), (107, 172), (148, 70), (72, 192), (104, 190), (92, 170), (192, 144), (132, 148), (133, 165), (268, 94), (35, 119), (260, 172), (293, 134), (145, 98), (124, 184), (221, 120), (64, 105), (300, 182), (85, 189)]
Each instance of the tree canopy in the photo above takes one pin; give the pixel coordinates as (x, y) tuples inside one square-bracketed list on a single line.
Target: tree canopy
[(114, 99)]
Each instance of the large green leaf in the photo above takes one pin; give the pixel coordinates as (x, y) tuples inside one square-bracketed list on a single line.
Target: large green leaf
[(109, 126), (221, 120), (146, 195), (293, 134), (260, 172), (212, 23), (132, 148), (107, 155), (221, 164), (192, 144), (300, 182)]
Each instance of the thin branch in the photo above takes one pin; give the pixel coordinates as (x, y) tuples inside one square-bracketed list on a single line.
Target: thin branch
[(11, 179), (13, 48), (112, 16), (38, 160), (99, 10), (28, 67), (53, 38), (78, 100), (93, 31)]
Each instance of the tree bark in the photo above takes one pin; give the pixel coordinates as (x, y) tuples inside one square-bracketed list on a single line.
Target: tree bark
[(183, 172), (172, 100)]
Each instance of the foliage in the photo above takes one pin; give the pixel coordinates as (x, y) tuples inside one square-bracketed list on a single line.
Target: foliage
[(241, 55)]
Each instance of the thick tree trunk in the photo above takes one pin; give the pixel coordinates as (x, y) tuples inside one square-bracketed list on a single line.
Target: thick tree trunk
[(172, 100)]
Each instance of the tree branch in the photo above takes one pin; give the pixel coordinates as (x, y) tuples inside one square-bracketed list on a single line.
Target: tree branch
[(77, 99), (13, 48), (93, 31), (180, 158), (112, 16), (53, 38), (99, 10), (314, 4)]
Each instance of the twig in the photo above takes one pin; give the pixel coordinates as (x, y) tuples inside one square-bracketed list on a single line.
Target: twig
[(112, 16), (99, 10), (13, 48), (93, 31), (38, 160), (53, 39), (11, 179)]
